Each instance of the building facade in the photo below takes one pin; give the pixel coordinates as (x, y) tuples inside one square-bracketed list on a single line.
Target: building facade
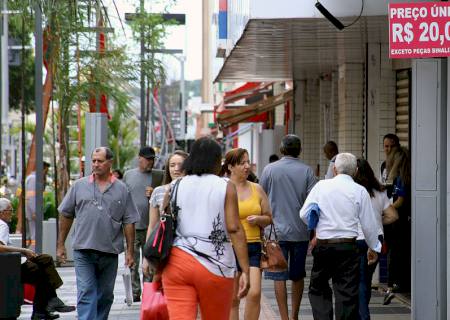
[(347, 89)]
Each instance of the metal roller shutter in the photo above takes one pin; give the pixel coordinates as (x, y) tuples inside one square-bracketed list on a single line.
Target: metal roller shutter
[(403, 106)]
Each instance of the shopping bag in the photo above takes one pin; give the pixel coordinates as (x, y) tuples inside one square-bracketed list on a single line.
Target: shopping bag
[(126, 275), (154, 306), (28, 293)]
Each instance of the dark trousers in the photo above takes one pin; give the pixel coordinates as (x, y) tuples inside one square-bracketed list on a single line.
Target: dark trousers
[(339, 262), (398, 239), (41, 272), (139, 242)]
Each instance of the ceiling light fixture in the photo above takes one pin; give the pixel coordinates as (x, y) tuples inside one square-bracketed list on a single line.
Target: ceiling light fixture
[(339, 25)]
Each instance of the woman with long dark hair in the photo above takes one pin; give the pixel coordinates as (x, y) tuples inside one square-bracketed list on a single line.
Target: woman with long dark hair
[(172, 171), (201, 265), (398, 235), (386, 214)]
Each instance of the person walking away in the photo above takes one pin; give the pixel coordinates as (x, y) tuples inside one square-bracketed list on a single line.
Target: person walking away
[(330, 150), (201, 266), (287, 182), (30, 205), (105, 212), (38, 269), (385, 214), (141, 181), (173, 170), (254, 212), (339, 203)]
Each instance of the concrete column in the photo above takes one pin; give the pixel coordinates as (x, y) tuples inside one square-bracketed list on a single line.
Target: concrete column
[(373, 104), (206, 90), (310, 123), (429, 189), (326, 119), (351, 108), (299, 105)]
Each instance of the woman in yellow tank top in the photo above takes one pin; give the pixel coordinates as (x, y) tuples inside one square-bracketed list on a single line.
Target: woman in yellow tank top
[(254, 213)]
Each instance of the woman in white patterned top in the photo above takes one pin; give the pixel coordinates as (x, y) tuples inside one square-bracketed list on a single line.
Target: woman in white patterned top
[(199, 274), (173, 170)]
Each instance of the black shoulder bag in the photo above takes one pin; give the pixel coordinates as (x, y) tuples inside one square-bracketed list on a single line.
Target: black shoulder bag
[(157, 247)]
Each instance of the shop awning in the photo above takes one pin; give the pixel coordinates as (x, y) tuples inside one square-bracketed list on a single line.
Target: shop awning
[(298, 48), (245, 91), (230, 117)]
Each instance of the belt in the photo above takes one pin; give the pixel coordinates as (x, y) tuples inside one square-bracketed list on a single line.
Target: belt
[(335, 241)]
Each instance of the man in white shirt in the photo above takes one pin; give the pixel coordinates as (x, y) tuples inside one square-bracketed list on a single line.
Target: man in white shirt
[(342, 203)]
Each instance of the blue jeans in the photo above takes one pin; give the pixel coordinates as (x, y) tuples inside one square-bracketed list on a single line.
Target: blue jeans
[(295, 254), (96, 274), (365, 280)]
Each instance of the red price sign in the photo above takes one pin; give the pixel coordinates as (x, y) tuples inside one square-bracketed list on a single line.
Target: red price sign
[(419, 30)]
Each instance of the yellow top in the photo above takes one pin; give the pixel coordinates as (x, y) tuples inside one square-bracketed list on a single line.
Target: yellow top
[(248, 207)]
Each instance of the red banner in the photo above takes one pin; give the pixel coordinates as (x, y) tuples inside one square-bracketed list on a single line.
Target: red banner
[(419, 30)]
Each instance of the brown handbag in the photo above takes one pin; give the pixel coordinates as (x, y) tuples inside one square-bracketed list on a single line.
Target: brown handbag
[(272, 258)]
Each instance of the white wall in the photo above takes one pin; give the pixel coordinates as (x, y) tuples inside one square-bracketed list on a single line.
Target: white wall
[(270, 9)]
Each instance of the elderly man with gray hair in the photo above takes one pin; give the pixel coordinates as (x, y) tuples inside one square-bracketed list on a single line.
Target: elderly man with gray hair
[(38, 269), (333, 208)]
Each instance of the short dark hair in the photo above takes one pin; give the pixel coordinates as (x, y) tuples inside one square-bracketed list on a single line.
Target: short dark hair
[(331, 147), (167, 177), (392, 137), (108, 152), (291, 145), (205, 157), (119, 173), (46, 164), (232, 158), (273, 158)]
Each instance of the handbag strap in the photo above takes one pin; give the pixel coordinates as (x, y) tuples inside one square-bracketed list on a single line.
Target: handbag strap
[(171, 207), (174, 207), (263, 236)]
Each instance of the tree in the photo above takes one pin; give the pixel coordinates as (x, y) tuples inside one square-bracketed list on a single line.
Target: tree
[(122, 135), (151, 29), (27, 63)]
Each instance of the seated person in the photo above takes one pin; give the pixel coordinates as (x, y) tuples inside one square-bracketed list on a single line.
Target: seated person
[(39, 270)]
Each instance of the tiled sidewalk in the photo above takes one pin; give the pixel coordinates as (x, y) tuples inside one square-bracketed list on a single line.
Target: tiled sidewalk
[(269, 310)]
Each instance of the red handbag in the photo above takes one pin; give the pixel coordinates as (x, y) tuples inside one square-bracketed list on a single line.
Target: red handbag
[(154, 305)]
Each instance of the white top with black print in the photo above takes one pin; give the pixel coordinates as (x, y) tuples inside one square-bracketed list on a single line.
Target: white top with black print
[(201, 229)]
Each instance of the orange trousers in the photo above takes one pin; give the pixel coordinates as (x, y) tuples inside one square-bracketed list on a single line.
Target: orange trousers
[(187, 284)]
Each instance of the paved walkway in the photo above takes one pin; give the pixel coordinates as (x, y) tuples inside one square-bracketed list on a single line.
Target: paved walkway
[(269, 311)]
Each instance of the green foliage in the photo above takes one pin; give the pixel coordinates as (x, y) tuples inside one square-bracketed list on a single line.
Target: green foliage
[(15, 204), (152, 28), (27, 61), (49, 209), (122, 134)]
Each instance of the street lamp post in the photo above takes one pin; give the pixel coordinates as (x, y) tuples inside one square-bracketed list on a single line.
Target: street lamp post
[(39, 127), (181, 20)]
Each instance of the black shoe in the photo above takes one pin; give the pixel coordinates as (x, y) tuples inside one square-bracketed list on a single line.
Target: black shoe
[(56, 305), (44, 316), (136, 298), (388, 296)]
